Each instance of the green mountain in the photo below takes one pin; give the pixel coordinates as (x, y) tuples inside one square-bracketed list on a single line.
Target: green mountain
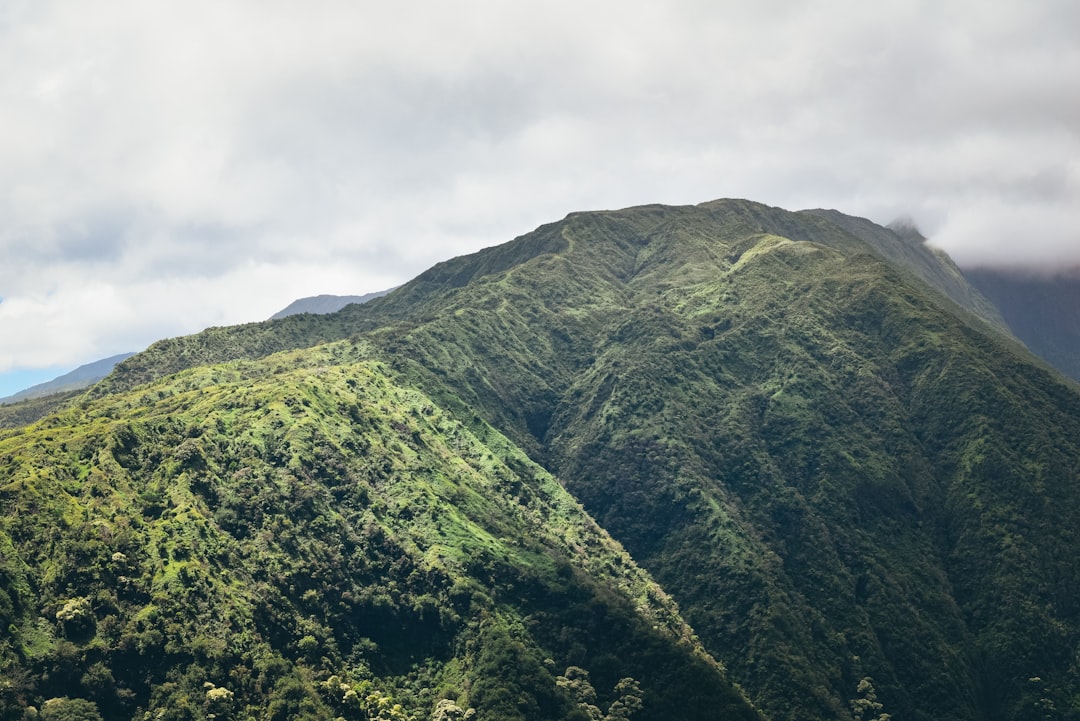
[(305, 538), (809, 430)]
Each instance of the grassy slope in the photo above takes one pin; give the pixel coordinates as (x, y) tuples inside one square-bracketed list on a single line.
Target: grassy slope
[(783, 433), (836, 472), (319, 541)]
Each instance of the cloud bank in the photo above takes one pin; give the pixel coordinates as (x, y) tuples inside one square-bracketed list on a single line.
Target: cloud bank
[(165, 166)]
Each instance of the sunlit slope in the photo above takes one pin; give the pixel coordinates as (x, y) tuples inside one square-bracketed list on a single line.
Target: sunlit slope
[(305, 538), (844, 477)]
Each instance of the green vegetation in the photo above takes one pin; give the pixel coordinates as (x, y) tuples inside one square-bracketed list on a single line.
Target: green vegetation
[(13, 415), (808, 429), (304, 539)]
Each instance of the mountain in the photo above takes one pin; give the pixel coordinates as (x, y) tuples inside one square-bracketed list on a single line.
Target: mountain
[(23, 413), (807, 430), (306, 538), (902, 245), (82, 377), (1041, 310), (321, 304)]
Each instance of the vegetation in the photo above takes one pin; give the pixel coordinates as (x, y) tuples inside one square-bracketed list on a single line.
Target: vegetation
[(21, 413), (862, 494), (305, 539)]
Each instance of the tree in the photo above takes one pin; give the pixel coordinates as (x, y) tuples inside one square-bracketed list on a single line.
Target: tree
[(627, 702), (575, 681), (69, 709), (866, 707), (447, 710)]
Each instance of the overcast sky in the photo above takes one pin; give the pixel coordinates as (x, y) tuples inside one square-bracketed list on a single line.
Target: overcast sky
[(166, 166)]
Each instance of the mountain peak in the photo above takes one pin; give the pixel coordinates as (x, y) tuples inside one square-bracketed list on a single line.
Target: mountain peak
[(583, 470), (906, 228)]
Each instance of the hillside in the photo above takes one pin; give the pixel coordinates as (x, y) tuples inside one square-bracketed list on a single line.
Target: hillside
[(23, 413), (304, 538), (859, 489)]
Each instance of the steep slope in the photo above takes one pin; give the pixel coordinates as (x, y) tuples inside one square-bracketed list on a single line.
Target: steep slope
[(842, 480), (858, 490), (837, 475), (903, 246), (304, 538), (1043, 311)]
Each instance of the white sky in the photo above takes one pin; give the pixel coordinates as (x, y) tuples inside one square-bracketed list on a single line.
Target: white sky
[(167, 166)]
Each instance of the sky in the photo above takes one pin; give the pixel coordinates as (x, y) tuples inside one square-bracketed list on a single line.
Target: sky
[(168, 166)]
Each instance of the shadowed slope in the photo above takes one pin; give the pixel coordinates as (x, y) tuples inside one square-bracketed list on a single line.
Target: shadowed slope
[(845, 479), (791, 435)]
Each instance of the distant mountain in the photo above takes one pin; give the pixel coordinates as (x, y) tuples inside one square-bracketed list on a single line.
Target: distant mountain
[(1041, 310), (597, 472), (321, 304), (82, 377)]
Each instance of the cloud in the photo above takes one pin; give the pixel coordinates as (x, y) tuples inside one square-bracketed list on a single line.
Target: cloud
[(82, 313), (168, 166), (1034, 233)]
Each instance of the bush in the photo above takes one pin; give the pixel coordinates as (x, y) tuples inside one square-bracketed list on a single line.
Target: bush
[(69, 709)]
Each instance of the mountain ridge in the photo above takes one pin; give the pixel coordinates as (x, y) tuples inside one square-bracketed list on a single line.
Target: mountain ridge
[(860, 494), (324, 303), (931, 265), (442, 278)]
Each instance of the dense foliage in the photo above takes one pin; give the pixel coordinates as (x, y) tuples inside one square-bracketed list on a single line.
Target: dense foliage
[(302, 538), (807, 428), (25, 412)]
